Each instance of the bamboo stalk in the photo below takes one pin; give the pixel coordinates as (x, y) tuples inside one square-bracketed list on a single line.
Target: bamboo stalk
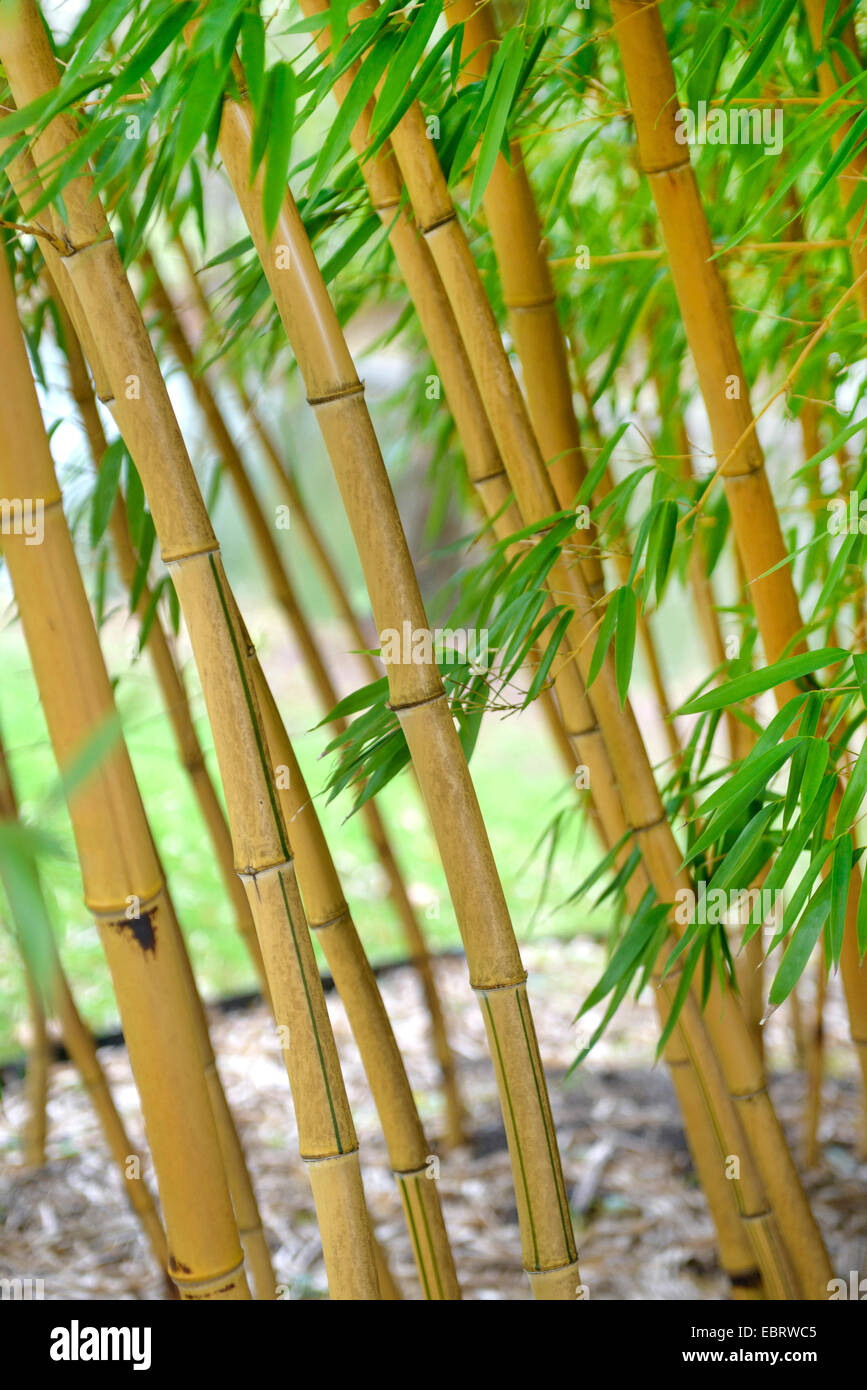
[(254, 1244), (119, 867), (169, 679), (815, 1067), (707, 322), (535, 497), (51, 982), (284, 480), (330, 919), (262, 853), (282, 588), (288, 235), (418, 698), (38, 1067)]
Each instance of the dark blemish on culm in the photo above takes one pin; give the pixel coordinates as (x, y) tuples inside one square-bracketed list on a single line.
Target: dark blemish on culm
[(143, 928)]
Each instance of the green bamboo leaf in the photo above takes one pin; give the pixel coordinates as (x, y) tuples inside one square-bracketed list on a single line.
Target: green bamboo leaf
[(253, 58), (105, 491), (853, 796), (665, 529), (862, 919), (622, 963), (402, 66), (730, 871), (789, 669), (504, 93), (624, 639), (841, 877), (818, 754), (681, 992), (550, 652), (282, 89), (363, 698), (152, 49), (761, 45), (363, 87), (603, 640), (800, 948), (201, 96)]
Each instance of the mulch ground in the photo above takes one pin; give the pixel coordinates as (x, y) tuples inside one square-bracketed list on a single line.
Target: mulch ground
[(641, 1220)]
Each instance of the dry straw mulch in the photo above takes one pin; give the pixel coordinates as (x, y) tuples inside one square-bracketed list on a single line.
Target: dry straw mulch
[(642, 1223)]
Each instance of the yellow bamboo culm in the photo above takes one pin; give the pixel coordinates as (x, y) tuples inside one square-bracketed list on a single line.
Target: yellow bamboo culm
[(417, 697), (122, 882), (169, 679), (331, 921), (534, 492), (285, 595), (263, 856), (48, 981), (285, 482), (38, 1068), (250, 1228), (644, 812), (707, 323)]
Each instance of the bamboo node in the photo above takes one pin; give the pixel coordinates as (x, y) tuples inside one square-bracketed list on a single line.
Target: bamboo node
[(354, 389), (498, 989), (329, 921), (315, 1159), (415, 704), (265, 869), (206, 548), (528, 305), (440, 222)]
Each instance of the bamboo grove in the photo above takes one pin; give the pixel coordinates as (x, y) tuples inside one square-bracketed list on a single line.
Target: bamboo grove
[(620, 250)]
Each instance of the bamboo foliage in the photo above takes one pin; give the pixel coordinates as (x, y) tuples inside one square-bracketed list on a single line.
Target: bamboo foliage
[(704, 309), (189, 548)]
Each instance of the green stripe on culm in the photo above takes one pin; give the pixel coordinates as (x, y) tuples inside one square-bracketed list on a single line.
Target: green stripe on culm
[(340, 1148), (515, 1132)]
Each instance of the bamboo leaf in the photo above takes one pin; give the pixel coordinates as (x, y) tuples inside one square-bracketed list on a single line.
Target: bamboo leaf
[(350, 109), (282, 90), (789, 669), (402, 66), (624, 639), (853, 796), (105, 491), (800, 948), (761, 46), (841, 876), (504, 93)]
